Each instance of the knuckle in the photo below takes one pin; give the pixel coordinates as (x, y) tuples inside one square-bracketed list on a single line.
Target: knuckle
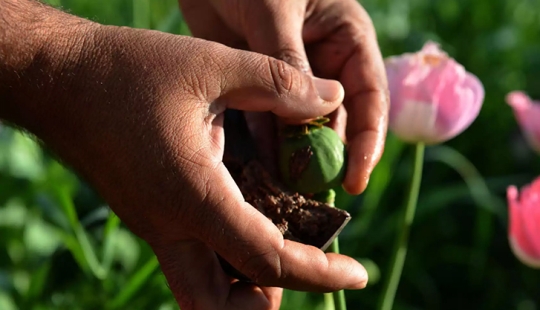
[(263, 269), (283, 76), (208, 70), (293, 58)]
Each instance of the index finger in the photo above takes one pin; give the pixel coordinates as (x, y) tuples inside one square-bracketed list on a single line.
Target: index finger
[(367, 102)]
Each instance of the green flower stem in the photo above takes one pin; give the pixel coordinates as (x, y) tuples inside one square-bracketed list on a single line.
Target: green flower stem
[(338, 297), (329, 301), (334, 300), (400, 247)]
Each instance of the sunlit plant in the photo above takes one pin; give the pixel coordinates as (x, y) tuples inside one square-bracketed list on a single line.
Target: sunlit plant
[(432, 99)]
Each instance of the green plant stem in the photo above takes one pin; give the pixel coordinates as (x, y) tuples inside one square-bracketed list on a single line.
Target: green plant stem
[(329, 301), (334, 300), (399, 254), (482, 196), (134, 284), (337, 296)]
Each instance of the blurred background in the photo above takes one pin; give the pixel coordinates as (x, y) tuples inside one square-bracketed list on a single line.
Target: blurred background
[(61, 248)]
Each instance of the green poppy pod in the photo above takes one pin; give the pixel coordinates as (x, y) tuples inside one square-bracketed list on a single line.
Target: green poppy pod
[(312, 160)]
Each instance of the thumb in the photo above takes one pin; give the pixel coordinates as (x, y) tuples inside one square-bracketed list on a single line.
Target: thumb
[(255, 82), (251, 243)]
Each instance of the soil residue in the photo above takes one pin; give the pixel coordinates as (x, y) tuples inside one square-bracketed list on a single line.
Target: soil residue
[(299, 219)]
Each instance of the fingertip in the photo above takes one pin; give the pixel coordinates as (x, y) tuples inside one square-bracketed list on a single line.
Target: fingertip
[(354, 185), (321, 98), (361, 277), (306, 267), (358, 173), (330, 91), (355, 273), (364, 152)]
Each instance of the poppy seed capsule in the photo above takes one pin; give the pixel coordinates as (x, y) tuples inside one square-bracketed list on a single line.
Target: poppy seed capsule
[(312, 160)]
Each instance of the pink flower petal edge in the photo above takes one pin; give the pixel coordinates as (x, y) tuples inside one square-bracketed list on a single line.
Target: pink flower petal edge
[(524, 223), (527, 113)]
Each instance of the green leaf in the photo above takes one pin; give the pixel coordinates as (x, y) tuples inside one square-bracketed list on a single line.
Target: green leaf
[(141, 14), (127, 249), (293, 300), (38, 281), (89, 253), (13, 214), (169, 23), (25, 159), (40, 238), (21, 281), (6, 302), (71, 243), (64, 200), (110, 235), (134, 284)]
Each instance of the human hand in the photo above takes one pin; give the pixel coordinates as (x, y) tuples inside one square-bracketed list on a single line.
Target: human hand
[(334, 39), (139, 114)]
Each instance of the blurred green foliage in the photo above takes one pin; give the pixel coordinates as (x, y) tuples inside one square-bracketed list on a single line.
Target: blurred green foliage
[(61, 248)]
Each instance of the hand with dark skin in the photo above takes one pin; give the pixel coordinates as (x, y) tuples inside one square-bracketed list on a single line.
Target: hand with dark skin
[(139, 115), (333, 39)]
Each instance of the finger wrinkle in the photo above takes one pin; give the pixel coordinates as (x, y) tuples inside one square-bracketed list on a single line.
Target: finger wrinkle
[(293, 58), (282, 76), (269, 272)]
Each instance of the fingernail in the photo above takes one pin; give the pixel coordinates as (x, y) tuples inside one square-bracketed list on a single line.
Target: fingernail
[(329, 90)]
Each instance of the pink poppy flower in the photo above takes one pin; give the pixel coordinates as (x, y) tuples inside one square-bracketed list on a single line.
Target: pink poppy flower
[(432, 97), (524, 223), (527, 113)]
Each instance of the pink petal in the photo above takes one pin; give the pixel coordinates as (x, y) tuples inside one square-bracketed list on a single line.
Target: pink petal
[(460, 105), (416, 122), (527, 113), (432, 97), (433, 48), (524, 223)]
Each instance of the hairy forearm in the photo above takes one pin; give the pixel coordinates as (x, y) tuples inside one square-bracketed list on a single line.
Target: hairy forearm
[(39, 45), (52, 69)]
